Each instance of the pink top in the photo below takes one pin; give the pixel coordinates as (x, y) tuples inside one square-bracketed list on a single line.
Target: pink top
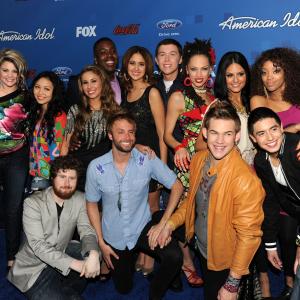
[(290, 116)]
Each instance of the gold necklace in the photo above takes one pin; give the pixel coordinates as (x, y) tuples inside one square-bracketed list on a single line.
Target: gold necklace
[(201, 90)]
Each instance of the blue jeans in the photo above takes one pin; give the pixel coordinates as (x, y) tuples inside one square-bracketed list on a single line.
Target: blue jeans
[(13, 173), (51, 285)]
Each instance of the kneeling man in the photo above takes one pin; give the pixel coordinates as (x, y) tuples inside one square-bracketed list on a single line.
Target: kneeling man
[(120, 179), (49, 266)]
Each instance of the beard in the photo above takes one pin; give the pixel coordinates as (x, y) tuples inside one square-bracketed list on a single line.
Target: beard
[(121, 148), (63, 194)]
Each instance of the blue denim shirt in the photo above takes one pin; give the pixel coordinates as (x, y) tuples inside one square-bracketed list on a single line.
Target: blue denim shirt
[(121, 228)]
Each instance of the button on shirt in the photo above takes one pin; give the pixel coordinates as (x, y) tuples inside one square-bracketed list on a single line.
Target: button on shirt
[(123, 222)]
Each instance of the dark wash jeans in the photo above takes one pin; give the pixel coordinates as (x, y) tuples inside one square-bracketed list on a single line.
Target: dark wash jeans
[(170, 258), (51, 285), (13, 174)]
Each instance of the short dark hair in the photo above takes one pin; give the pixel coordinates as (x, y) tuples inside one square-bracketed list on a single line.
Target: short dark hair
[(103, 39), (168, 42), (68, 162), (121, 115), (222, 110), (261, 113)]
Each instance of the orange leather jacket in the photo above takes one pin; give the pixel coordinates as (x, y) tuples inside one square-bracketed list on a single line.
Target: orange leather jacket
[(234, 214)]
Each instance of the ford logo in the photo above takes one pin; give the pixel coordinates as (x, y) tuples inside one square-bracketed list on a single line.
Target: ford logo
[(168, 24), (62, 71)]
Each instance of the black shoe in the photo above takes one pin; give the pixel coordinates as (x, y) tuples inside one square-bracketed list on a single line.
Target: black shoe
[(176, 285), (286, 293)]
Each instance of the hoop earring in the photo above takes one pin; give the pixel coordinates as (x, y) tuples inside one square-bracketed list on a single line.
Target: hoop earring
[(187, 81), (125, 77), (266, 92), (209, 83)]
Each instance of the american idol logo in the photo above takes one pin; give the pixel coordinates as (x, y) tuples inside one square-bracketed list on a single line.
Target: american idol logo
[(40, 34), (62, 71), (242, 23), (168, 24)]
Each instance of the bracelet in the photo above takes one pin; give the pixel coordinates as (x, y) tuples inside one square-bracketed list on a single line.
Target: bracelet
[(298, 240), (232, 284), (178, 147)]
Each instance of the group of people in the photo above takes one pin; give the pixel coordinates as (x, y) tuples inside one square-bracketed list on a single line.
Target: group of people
[(143, 168)]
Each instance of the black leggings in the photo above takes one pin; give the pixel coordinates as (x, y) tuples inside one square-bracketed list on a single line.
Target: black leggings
[(287, 237)]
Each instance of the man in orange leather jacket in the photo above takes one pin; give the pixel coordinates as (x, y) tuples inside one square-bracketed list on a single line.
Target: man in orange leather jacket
[(223, 207)]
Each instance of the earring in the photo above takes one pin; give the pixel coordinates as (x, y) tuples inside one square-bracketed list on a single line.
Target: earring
[(187, 81), (125, 77), (146, 77)]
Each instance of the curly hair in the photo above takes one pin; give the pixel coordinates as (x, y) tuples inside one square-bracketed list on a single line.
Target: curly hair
[(220, 86), (198, 47), (107, 98), (148, 77), (16, 58), (289, 60), (67, 162), (54, 109)]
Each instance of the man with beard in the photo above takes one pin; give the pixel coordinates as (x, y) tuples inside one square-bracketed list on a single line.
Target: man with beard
[(105, 56), (120, 179), (49, 265)]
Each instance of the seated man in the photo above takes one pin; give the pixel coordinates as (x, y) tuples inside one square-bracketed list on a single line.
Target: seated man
[(278, 167), (43, 266), (120, 179), (223, 206)]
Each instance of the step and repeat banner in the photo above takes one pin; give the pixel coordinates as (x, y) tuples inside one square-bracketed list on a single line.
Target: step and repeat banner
[(59, 34)]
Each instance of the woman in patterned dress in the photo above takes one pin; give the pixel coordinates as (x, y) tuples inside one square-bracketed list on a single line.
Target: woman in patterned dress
[(45, 125), (188, 107), (13, 146)]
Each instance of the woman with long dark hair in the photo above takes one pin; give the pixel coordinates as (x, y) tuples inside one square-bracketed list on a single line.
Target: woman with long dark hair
[(46, 122), (232, 84), (144, 102)]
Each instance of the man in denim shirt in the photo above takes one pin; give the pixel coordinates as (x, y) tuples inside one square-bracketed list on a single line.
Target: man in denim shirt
[(121, 179)]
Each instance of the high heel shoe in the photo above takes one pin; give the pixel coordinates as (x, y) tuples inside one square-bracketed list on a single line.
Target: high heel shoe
[(193, 279)]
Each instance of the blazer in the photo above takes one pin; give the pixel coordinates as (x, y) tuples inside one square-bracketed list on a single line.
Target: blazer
[(47, 239), (276, 199)]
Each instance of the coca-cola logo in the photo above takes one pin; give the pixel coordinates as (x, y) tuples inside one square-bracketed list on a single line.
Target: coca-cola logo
[(128, 29), (168, 24)]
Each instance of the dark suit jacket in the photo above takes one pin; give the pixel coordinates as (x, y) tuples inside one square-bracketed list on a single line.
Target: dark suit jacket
[(47, 239)]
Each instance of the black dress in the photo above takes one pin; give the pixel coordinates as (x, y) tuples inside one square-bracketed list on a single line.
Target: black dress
[(146, 130)]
